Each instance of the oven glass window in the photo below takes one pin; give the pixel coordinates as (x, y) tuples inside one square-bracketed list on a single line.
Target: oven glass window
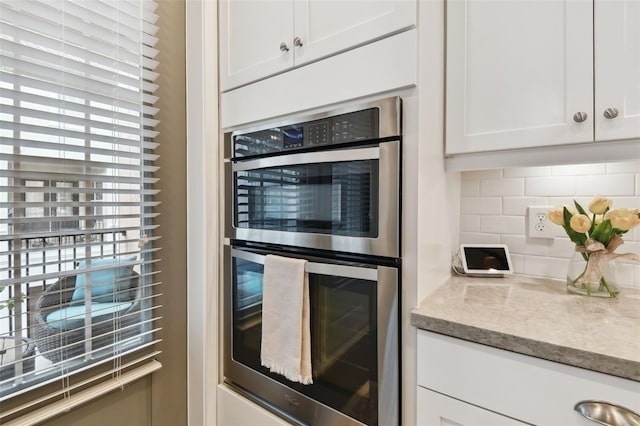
[(338, 198), (343, 338)]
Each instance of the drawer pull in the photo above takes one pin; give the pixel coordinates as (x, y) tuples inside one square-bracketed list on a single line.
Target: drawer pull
[(606, 413)]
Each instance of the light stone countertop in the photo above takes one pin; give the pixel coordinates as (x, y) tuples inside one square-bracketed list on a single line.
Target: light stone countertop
[(538, 317)]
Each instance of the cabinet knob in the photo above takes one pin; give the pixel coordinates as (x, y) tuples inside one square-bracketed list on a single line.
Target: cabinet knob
[(579, 117), (284, 47), (610, 113), (297, 42)]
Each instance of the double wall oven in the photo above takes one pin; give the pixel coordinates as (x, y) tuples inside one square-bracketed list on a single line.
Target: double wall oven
[(325, 188)]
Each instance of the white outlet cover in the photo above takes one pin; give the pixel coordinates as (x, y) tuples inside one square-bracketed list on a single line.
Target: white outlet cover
[(538, 223)]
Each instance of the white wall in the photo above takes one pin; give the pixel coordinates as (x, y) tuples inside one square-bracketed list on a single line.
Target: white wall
[(493, 208)]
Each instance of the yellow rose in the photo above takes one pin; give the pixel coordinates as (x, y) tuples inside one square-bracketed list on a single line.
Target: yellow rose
[(580, 223), (623, 219), (599, 205), (556, 215)]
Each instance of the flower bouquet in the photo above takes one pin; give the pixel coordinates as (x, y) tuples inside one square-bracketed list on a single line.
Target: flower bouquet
[(596, 234)]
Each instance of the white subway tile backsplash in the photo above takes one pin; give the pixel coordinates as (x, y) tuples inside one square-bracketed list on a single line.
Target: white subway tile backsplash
[(482, 174), (502, 225), (502, 187), (481, 205), (517, 262), (624, 167), (470, 188), (528, 246), (494, 202), (561, 247), (605, 185), (546, 267), (479, 238), (514, 206), (527, 172), (579, 170), (550, 186), (469, 223)]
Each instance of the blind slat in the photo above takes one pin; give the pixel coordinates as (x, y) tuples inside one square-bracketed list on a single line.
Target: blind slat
[(38, 71), (49, 411), (79, 190), (65, 233), (75, 177), (41, 40), (43, 11), (109, 101), (56, 146), (9, 16), (62, 117)]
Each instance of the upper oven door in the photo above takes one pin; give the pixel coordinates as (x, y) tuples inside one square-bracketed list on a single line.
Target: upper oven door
[(344, 200)]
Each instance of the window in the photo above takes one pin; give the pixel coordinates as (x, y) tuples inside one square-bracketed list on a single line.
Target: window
[(76, 202)]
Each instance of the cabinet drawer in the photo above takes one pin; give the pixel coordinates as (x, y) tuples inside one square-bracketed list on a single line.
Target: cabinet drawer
[(522, 387), (436, 409)]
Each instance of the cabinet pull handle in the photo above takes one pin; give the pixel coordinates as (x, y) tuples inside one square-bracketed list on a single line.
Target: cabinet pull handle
[(606, 413), (610, 113), (579, 117), (284, 47), (297, 42)]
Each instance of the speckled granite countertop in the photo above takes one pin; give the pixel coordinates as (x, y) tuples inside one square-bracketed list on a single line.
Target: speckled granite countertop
[(538, 317)]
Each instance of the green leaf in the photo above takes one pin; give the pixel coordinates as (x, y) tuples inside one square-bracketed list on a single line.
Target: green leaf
[(577, 238), (603, 232), (579, 208)]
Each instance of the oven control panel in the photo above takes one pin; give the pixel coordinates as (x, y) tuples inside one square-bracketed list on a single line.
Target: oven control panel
[(339, 129)]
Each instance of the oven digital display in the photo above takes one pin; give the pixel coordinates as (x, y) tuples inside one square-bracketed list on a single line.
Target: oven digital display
[(292, 137)]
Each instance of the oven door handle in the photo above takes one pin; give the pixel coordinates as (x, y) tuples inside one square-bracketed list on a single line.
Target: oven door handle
[(331, 269), (371, 153)]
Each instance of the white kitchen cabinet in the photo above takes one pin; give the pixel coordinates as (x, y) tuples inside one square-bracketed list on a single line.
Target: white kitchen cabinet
[(260, 38), (435, 409), (617, 69), (251, 35), (521, 74), (236, 410), (514, 386)]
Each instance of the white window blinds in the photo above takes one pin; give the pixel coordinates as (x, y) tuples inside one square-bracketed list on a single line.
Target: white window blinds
[(76, 202)]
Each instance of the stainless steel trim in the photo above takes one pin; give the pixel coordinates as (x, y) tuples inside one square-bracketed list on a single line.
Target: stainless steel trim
[(386, 244), (331, 269), (309, 158), (606, 413), (388, 119), (388, 338), (280, 398)]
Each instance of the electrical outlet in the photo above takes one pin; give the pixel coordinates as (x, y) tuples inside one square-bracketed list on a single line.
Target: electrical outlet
[(538, 223)]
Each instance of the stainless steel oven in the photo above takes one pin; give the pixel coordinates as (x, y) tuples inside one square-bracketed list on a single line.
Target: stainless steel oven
[(326, 188), (328, 181), (354, 341)]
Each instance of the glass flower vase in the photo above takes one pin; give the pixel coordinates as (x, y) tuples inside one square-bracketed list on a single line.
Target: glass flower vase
[(584, 277)]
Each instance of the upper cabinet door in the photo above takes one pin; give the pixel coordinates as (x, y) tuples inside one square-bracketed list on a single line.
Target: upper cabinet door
[(325, 27), (519, 74), (256, 40), (617, 69)]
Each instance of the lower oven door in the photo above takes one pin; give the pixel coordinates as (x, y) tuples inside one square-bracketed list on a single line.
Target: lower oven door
[(354, 342)]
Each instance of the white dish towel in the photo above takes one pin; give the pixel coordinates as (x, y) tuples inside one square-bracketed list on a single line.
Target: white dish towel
[(286, 333)]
